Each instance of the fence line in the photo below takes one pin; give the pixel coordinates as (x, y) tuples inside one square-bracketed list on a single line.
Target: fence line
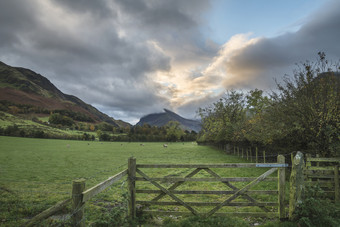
[(300, 174)]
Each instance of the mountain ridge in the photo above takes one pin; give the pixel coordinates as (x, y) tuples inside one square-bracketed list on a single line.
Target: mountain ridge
[(161, 119), (23, 86)]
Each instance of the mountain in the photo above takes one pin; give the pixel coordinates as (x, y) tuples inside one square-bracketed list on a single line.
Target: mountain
[(20, 86), (161, 119)]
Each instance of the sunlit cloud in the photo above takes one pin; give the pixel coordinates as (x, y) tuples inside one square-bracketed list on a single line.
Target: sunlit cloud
[(130, 58)]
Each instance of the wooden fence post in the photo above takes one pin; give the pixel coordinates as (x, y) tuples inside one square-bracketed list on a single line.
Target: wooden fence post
[(257, 155), (296, 183), (247, 154), (336, 183), (264, 156), (132, 188), (251, 154), (78, 217), (281, 186), (291, 158)]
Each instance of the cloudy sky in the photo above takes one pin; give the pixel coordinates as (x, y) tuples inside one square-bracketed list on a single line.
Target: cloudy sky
[(129, 58)]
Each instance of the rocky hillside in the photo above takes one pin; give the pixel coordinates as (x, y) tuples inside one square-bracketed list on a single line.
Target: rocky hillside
[(20, 86), (161, 119)]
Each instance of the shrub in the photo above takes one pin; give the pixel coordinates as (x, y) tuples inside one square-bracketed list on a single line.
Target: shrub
[(317, 210)]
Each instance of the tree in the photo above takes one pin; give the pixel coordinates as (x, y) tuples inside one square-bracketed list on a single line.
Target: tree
[(256, 128), (224, 120), (308, 107), (174, 131), (57, 118)]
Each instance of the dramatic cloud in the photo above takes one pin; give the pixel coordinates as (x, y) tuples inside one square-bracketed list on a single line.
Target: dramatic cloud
[(259, 60), (130, 58)]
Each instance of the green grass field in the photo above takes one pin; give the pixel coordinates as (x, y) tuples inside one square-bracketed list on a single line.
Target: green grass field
[(37, 173)]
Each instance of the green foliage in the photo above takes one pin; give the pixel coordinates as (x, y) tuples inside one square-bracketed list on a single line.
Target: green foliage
[(195, 221), (77, 116), (303, 114), (174, 131), (224, 121), (308, 107), (57, 119), (105, 127), (316, 210), (146, 133)]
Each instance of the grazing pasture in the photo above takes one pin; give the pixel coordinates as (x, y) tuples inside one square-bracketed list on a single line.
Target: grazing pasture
[(37, 173)]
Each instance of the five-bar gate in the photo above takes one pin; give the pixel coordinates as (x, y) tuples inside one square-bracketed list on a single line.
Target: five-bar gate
[(137, 173)]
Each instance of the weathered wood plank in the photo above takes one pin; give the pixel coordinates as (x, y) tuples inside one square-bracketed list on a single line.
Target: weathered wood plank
[(281, 187), (230, 214), (324, 160), (89, 193), (78, 187), (312, 176), (175, 185), (193, 211), (132, 187), (222, 165), (319, 168), (296, 183), (243, 190), (322, 184), (336, 183), (167, 203), (48, 212), (149, 191), (213, 174), (223, 179), (315, 172)]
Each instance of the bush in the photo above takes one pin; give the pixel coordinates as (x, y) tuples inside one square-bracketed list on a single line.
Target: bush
[(57, 118), (317, 210)]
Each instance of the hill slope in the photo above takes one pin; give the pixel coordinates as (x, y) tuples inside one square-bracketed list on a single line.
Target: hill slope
[(161, 119), (25, 87)]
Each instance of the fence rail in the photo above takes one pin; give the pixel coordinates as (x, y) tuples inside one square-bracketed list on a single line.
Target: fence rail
[(234, 193), (325, 173), (79, 197)]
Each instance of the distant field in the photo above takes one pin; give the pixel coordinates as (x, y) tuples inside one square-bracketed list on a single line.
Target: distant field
[(7, 119), (37, 173)]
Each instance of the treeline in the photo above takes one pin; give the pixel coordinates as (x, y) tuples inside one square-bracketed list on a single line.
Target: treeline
[(15, 130), (171, 132), (301, 114)]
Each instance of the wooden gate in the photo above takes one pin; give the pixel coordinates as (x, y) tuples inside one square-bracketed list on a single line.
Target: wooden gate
[(136, 174)]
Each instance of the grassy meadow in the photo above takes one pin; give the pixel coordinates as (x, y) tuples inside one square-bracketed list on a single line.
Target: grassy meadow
[(37, 173)]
